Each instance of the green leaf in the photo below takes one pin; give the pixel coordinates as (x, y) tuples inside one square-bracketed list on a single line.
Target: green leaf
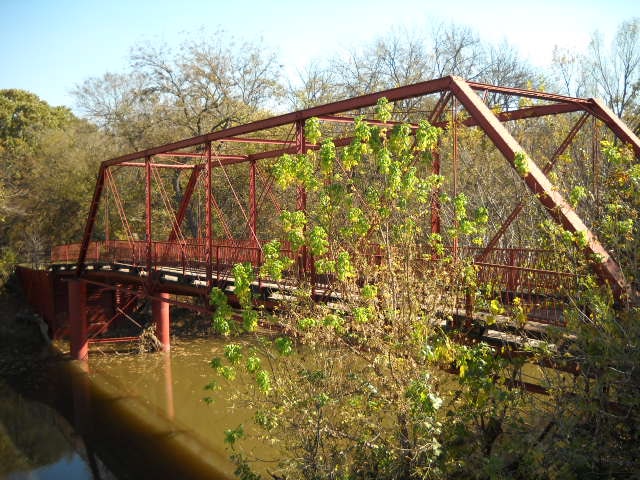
[(253, 364), (233, 352), (383, 110), (521, 162), (249, 319), (318, 240), (263, 380), (283, 345), (231, 436), (242, 278), (344, 268), (312, 132)]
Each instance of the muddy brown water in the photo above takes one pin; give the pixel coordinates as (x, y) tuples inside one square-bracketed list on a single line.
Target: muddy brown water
[(123, 415)]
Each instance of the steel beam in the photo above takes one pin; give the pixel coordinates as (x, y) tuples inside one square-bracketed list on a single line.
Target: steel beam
[(262, 141), (301, 200), (184, 203), (435, 196), (253, 220), (174, 166), (617, 126), (91, 219), (147, 211), (518, 208), (522, 92), (208, 229), (393, 95), (537, 182)]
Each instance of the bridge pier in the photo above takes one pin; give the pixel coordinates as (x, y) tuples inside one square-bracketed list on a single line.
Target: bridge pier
[(78, 319), (160, 312)]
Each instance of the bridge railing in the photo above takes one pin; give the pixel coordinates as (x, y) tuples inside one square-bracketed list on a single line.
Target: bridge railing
[(531, 274), (526, 273)]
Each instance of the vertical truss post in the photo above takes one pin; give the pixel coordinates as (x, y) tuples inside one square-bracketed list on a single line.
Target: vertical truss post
[(603, 264), (253, 221), (147, 168), (454, 166), (208, 229), (595, 164), (301, 201), (107, 233), (435, 195)]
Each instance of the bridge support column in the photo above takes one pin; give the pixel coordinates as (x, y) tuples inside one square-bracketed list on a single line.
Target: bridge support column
[(160, 311), (78, 319)]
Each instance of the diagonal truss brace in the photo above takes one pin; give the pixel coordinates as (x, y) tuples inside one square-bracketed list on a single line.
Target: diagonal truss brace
[(538, 183)]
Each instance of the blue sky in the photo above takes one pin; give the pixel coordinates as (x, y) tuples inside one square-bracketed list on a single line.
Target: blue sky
[(49, 46)]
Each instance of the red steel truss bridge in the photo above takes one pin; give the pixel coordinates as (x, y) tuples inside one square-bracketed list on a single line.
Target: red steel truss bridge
[(182, 241)]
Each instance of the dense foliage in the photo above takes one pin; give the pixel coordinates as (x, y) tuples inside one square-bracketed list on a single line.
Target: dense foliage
[(49, 161), (360, 385)]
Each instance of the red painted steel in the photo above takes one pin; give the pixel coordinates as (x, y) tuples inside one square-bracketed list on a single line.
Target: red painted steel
[(253, 214), (393, 95), (147, 207), (518, 273), (78, 319), (617, 126), (435, 196), (547, 168), (539, 184), (160, 313), (39, 289), (208, 219), (301, 199), (173, 166), (184, 203), (522, 92), (260, 141), (91, 219)]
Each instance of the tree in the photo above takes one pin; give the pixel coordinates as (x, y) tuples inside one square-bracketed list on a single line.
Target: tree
[(205, 84), (208, 83), (616, 74), (316, 85), (612, 74), (48, 159)]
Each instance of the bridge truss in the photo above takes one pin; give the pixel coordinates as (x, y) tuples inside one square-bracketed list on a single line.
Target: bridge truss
[(185, 244)]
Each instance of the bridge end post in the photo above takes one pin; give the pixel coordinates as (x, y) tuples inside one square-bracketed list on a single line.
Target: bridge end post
[(78, 319), (160, 312)]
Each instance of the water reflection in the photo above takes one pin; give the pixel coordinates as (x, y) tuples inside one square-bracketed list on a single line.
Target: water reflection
[(72, 467), (164, 392), (168, 385), (128, 416), (37, 443)]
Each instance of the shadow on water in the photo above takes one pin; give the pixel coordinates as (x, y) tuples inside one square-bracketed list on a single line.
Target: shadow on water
[(120, 416)]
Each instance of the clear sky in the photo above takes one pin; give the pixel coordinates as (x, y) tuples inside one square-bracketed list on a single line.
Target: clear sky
[(49, 46)]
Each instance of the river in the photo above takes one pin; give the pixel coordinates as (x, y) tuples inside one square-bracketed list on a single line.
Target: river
[(122, 415)]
